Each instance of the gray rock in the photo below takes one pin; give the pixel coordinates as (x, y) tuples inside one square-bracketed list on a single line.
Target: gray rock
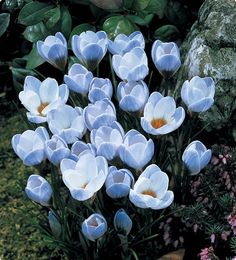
[(210, 50)]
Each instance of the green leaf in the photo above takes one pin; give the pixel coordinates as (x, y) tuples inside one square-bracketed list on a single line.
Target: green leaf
[(139, 5), (81, 28), (36, 32), (33, 13), (176, 13), (65, 22), (118, 24), (34, 59), (52, 17), (167, 33), (157, 7), (140, 20), (4, 22)]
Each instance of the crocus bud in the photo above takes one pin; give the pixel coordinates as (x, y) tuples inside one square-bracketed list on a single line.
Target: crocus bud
[(54, 224), (38, 189), (94, 226), (122, 222)]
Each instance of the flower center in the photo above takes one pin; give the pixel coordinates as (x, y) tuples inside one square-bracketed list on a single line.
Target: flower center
[(41, 108), (93, 223), (149, 193), (158, 122)]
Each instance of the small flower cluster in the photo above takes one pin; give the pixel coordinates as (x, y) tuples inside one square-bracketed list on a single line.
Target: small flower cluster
[(87, 143)]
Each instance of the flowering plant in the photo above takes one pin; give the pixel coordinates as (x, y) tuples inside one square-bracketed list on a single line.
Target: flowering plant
[(115, 149)]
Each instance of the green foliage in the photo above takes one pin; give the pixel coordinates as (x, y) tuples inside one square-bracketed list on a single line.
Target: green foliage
[(167, 33), (4, 22), (33, 59)]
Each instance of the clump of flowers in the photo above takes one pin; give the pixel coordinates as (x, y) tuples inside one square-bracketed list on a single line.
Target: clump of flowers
[(113, 149)]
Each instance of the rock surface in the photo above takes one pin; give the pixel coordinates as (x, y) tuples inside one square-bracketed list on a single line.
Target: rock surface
[(210, 50)]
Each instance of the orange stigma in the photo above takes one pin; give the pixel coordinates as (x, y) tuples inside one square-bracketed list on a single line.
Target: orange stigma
[(41, 108), (149, 193), (157, 123)]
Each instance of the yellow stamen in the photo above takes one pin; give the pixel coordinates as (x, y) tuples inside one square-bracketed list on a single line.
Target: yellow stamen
[(158, 122), (41, 108), (149, 193)]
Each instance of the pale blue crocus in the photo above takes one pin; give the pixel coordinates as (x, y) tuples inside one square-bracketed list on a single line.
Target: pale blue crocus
[(107, 140), (136, 151), (56, 149), (132, 66), (198, 93), (30, 146), (54, 224), (78, 79), (196, 156), (84, 177), (166, 57), (38, 189), (151, 189), (80, 147), (94, 226), (99, 89), (118, 182), (132, 95), (67, 122), (102, 112), (123, 43), (122, 222), (90, 47), (54, 50), (161, 115), (41, 97)]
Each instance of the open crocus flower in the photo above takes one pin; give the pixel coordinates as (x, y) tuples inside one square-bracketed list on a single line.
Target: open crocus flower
[(102, 112), (132, 66), (30, 145), (81, 147), (38, 189), (41, 97), (90, 47), (94, 226), (123, 43), (67, 122), (161, 115), (100, 89), (151, 189), (136, 151), (196, 157), (118, 182), (56, 149), (84, 177), (166, 57), (54, 50), (198, 93), (78, 79), (132, 95), (107, 140)]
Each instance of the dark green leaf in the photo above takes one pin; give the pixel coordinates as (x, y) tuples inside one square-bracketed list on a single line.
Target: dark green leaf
[(4, 22), (65, 22), (33, 13), (36, 32), (128, 3), (157, 7), (176, 13), (167, 33), (52, 17), (139, 20), (139, 5), (118, 24), (33, 59)]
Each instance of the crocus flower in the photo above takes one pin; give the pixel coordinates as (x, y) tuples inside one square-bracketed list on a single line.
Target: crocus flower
[(84, 177), (161, 115), (122, 222), (107, 140), (67, 122), (132, 66), (54, 224), (100, 89), (30, 145), (196, 157), (118, 182), (166, 57), (150, 190), (132, 95), (78, 79), (56, 149), (90, 47), (198, 93), (38, 189), (80, 147), (40, 97), (94, 226), (123, 43), (102, 112), (136, 151), (54, 50)]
